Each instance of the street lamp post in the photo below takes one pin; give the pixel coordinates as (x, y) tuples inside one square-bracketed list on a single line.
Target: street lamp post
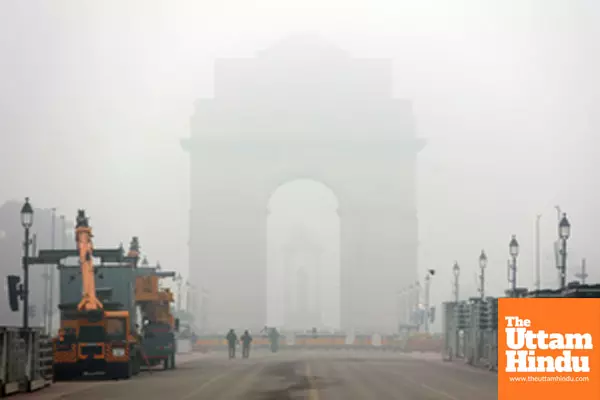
[(513, 248), (564, 231), (407, 305), (428, 276), (179, 280), (583, 275), (62, 230), (26, 222), (482, 264), (404, 307), (456, 272), (52, 276), (204, 310), (49, 280), (415, 306), (190, 299), (400, 303)]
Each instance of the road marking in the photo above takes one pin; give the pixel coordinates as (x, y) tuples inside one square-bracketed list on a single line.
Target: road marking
[(360, 380), (402, 375), (244, 385), (212, 380), (65, 391), (313, 392), (443, 377), (440, 392)]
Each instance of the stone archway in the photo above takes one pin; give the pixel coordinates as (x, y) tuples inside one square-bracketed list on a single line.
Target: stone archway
[(303, 109), (303, 239)]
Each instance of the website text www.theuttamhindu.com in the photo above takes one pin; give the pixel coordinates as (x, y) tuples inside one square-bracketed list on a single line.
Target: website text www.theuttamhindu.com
[(555, 378)]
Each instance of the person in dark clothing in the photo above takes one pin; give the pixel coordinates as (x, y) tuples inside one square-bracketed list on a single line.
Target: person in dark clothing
[(231, 342), (246, 339)]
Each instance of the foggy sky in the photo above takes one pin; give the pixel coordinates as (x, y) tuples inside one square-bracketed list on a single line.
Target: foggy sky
[(94, 97)]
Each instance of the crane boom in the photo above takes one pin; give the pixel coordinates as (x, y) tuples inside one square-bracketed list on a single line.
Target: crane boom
[(83, 234)]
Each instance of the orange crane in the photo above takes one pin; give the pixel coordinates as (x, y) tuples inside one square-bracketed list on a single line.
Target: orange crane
[(159, 324), (95, 337), (83, 235)]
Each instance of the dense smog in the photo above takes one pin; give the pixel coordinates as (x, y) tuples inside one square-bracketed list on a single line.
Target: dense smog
[(293, 199)]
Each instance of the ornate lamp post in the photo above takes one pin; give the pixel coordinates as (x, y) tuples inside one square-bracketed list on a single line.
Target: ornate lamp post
[(513, 248), (564, 232), (27, 223), (482, 264)]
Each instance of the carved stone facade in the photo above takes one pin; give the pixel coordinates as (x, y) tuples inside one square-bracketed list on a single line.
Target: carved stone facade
[(303, 109)]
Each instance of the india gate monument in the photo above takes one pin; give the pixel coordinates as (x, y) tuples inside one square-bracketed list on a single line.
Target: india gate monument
[(303, 109)]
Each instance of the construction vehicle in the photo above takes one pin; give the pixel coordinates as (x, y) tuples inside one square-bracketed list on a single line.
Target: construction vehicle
[(158, 324), (97, 329)]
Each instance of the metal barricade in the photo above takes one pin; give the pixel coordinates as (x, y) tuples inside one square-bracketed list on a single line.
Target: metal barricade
[(44, 362), (25, 360), (14, 362)]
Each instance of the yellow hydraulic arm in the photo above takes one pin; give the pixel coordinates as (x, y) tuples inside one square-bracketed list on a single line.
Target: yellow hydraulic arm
[(83, 235)]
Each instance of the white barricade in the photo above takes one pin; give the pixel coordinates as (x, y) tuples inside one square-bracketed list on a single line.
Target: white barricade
[(184, 346)]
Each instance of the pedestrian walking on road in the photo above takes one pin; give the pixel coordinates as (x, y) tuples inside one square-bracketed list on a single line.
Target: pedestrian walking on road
[(231, 342), (246, 339)]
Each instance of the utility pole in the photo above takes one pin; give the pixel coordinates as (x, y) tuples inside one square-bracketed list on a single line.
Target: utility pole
[(430, 273), (188, 297), (538, 271), (179, 280), (403, 308), (204, 311), (417, 300), (407, 305), (63, 232), (400, 312), (427, 286), (46, 306), (583, 275), (51, 278)]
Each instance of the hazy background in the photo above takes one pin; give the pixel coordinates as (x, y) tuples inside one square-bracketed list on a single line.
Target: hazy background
[(95, 95)]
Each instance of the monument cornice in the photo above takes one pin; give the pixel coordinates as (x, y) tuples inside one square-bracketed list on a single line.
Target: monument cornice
[(413, 144)]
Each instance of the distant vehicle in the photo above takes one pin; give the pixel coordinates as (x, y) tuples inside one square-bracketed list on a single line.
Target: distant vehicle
[(158, 323), (159, 344)]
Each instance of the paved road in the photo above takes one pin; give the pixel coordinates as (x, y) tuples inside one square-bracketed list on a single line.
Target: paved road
[(294, 375)]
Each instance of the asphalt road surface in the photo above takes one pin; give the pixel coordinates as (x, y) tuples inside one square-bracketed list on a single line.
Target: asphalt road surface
[(311, 375)]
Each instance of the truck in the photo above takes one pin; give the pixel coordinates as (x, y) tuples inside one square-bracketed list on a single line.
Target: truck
[(159, 326), (98, 330)]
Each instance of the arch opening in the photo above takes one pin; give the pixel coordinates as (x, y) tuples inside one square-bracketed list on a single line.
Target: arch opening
[(303, 257)]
